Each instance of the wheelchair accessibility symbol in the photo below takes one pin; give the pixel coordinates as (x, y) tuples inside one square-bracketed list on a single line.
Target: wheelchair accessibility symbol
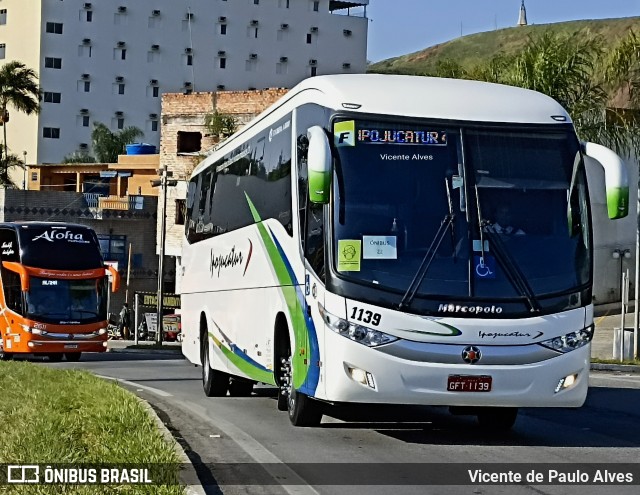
[(485, 266)]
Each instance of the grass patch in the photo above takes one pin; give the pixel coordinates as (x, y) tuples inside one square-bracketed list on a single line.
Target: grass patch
[(615, 361), (73, 417)]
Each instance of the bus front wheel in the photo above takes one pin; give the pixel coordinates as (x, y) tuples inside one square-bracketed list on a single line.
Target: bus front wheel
[(497, 418), (72, 356), (303, 410), (215, 383)]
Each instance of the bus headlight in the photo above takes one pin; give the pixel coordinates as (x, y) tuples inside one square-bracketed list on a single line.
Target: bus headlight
[(35, 331), (357, 333), (570, 341)]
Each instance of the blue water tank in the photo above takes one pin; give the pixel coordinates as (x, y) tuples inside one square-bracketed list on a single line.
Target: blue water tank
[(141, 149)]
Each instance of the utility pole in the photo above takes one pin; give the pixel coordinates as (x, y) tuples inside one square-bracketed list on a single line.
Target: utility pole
[(24, 170), (163, 182)]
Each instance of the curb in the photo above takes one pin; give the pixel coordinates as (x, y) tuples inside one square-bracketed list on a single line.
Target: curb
[(628, 368), (184, 458), (167, 352)]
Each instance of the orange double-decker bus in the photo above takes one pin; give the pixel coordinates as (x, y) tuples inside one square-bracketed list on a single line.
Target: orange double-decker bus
[(54, 290)]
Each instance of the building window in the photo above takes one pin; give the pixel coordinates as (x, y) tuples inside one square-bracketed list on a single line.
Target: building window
[(309, 38), (123, 54), (3, 16), (120, 123), (113, 247), (223, 63), (54, 27), (87, 86), (181, 208), (85, 121), (89, 15), (189, 59), (156, 91), (34, 175), (316, 6), (50, 97), (223, 29), (121, 88), (189, 142), (51, 132), (53, 63), (314, 71), (154, 126), (3, 49)]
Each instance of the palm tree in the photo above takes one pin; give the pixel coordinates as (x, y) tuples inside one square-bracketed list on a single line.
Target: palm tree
[(7, 162), (19, 89), (108, 145)]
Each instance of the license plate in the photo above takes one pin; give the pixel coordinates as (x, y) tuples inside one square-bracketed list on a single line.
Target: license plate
[(71, 346), (469, 383)]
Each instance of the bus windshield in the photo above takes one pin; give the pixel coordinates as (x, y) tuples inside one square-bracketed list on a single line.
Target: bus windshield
[(67, 301), (498, 212)]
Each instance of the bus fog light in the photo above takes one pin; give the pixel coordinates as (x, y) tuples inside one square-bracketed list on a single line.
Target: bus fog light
[(361, 376), (30, 344), (566, 382), (104, 344)]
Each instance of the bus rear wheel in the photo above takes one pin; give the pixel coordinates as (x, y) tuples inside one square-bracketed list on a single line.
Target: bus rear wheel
[(240, 387), (215, 383), (497, 418), (72, 356)]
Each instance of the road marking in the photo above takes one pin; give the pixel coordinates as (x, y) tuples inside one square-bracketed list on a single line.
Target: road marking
[(156, 391)]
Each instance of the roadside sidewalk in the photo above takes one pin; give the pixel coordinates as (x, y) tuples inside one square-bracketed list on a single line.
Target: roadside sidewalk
[(144, 346), (602, 345)]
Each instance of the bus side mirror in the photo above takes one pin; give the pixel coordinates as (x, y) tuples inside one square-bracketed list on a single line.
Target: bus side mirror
[(319, 165), (115, 278), (615, 177)]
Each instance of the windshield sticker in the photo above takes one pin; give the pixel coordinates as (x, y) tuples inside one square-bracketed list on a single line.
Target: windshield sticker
[(349, 255), (477, 246), (485, 266), (382, 247), (344, 133), (396, 136)]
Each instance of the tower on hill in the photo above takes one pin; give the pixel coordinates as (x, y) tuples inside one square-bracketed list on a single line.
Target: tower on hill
[(522, 20)]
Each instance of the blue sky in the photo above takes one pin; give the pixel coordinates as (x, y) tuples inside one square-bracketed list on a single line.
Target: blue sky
[(398, 27)]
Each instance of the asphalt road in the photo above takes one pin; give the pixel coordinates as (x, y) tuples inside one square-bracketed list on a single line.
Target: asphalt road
[(232, 439)]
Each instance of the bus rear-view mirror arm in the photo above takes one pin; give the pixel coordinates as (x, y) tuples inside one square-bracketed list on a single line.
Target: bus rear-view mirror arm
[(115, 281), (319, 165), (616, 178)]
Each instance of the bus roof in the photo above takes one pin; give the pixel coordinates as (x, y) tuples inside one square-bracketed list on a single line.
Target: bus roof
[(412, 96)]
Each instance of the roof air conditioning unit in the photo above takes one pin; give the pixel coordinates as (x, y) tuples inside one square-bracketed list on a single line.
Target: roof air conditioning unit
[(313, 61), (254, 22), (221, 53), (85, 76), (222, 19), (84, 111), (119, 78), (220, 87), (284, 26), (188, 50), (119, 114), (87, 5), (314, 29), (188, 16), (153, 82), (155, 13), (153, 116), (187, 84), (347, 32), (253, 56), (155, 48), (122, 8), (86, 41), (83, 146), (121, 44), (284, 59), (346, 65), (251, 88)]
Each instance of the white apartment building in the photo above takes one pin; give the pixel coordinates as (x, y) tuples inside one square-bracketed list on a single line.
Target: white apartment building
[(110, 60)]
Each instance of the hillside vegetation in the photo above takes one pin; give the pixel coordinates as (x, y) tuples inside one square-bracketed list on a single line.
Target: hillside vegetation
[(469, 51)]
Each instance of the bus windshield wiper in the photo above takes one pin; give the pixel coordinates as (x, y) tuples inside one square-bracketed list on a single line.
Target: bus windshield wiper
[(510, 268), (447, 222)]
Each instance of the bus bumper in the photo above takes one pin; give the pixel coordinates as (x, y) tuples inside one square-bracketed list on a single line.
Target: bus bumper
[(392, 380), (27, 344)]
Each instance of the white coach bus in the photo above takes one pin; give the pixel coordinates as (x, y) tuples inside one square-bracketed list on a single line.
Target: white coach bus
[(397, 240)]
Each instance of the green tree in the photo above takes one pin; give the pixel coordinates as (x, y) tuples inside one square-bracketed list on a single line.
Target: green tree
[(18, 89), (108, 145), (220, 124), (79, 157), (7, 162)]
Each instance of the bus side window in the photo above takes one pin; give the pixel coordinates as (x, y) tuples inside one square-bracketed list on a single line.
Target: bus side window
[(314, 239), (12, 291)]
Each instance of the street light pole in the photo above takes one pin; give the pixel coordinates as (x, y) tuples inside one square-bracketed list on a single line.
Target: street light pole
[(24, 170), (163, 233)]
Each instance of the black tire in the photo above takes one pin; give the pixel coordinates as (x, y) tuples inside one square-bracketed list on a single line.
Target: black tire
[(215, 383), (72, 357), (55, 357), (240, 387), (5, 356), (497, 418), (303, 410)]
